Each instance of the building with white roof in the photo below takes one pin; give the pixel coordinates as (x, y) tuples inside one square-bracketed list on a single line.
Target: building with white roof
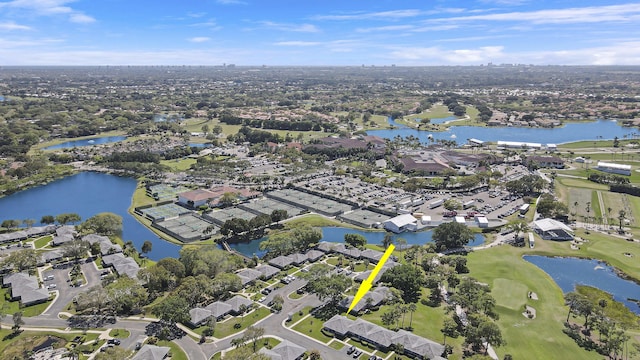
[(401, 223), (550, 229), (613, 168)]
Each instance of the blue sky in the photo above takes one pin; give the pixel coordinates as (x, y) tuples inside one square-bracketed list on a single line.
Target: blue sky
[(318, 32)]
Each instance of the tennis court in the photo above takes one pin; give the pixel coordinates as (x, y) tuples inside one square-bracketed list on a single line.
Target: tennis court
[(162, 212), (162, 192), (309, 201), (266, 206), (185, 228), (220, 216)]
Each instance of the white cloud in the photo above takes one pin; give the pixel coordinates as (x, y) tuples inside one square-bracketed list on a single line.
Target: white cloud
[(49, 8), (308, 28), (199, 39), (81, 18), (590, 14), (385, 28), (430, 55), (297, 43), (388, 15), (13, 26)]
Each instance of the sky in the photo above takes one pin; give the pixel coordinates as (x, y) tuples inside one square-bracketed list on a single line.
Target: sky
[(319, 32)]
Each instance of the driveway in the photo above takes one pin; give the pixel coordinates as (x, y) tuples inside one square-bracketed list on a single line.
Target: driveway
[(66, 292)]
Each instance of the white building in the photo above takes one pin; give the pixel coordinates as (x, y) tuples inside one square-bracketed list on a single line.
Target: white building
[(400, 223), (550, 229), (614, 168)]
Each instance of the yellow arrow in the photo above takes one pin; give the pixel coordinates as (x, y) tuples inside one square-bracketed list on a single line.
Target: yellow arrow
[(366, 285)]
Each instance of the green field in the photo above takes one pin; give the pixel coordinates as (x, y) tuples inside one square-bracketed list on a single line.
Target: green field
[(179, 164), (224, 329), (540, 338)]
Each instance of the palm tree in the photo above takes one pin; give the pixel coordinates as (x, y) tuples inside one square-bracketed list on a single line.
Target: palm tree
[(412, 308), (518, 227), (621, 216)]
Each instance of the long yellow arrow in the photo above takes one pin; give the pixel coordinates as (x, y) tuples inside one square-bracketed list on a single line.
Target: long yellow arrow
[(366, 285)]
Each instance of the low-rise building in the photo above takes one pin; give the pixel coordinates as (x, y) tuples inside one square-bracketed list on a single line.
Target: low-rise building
[(613, 168), (401, 223)]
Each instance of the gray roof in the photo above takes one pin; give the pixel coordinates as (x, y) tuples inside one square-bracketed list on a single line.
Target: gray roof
[(281, 261), (237, 301), (267, 270), (26, 288), (218, 309), (49, 256), (298, 258), (314, 255), (373, 255), (123, 265), (199, 315), (384, 337), (41, 230), (61, 239), (151, 352), (286, 350), (66, 229), (326, 246), (248, 275)]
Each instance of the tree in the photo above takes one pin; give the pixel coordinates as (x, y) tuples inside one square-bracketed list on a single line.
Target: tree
[(67, 218), (108, 224), (406, 278), (452, 204), (146, 247), (10, 224), (17, 322), (329, 287), (355, 240), (25, 259), (113, 353), (451, 235), (243, 353), (387, 240), (314, 355), (621, 216), (411, 307), (279, 215), (47, 219), (277, 302), (298, 239), (518, 227), (76, 249), (228, 199), (449, 329), (205, 129), (28, 222), (490, 332), (254, 334), (172, 309)]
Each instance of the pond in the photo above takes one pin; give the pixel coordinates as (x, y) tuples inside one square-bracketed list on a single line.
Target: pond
[(86, 194), (569, 272), (570, 132), (86, 142), (336, 234)]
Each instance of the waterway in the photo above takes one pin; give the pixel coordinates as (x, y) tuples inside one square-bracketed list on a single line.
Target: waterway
[(569, 272), (336, 235), (86, 142), (570, 132), (86, 194)]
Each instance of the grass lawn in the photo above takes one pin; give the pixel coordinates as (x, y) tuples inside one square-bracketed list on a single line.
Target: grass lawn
[(541, 338), (177, 165), (27, 340), (595, 204), (120, 333), (11, 307), (224, 329), (317, 221), (42, 241), (176, 352), (312, 326)]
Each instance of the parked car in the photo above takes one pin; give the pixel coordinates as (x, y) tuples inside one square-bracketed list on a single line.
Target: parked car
[(351, 350)]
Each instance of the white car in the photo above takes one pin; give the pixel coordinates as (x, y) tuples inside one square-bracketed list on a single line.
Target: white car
[(51, 286), (262, 299)]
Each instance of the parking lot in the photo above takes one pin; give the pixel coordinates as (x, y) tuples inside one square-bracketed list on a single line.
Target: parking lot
[(59, 280)]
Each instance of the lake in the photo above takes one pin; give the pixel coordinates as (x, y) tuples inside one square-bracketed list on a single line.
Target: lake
[(569, 272), (336, 234), (86, 194), (570, 132), (86, 142)]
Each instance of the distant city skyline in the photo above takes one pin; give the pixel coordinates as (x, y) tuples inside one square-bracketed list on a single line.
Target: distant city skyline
[(318, 33)]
